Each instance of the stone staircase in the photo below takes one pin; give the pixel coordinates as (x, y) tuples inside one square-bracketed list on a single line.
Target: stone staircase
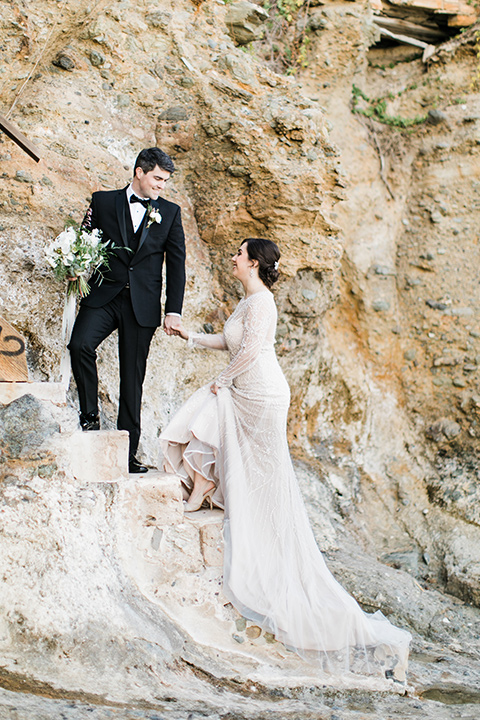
[(175, 560), (168, 564)]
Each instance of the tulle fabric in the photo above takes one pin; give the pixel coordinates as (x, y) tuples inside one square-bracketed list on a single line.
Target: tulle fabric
[(274, 573)]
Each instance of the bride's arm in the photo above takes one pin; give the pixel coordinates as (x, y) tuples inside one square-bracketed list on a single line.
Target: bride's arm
[(258, 319), (215, 342)]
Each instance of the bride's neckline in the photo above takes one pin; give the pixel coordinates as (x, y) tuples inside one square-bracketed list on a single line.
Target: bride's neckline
[(247, 297)]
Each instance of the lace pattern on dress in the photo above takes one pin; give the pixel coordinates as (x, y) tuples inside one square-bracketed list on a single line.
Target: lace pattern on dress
[(257, 314)]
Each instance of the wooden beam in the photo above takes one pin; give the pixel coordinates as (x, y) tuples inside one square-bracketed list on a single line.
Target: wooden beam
[(19, 138), (405, 27), (402, 38)]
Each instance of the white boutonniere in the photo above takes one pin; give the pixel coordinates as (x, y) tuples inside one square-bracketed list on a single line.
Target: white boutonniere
[(153, 216)]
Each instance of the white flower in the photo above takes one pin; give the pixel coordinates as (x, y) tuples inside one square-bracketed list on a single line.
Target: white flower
[(63, 245), (66, 239), (153, 216), (91, 239)]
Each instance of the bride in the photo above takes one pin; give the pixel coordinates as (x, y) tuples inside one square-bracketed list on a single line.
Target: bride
[(228, 443)]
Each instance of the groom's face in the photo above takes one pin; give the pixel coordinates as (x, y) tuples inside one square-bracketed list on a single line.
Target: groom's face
[(150, 184)]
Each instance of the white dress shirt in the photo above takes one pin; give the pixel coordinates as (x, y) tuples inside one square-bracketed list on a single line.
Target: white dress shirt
[(137, 211)]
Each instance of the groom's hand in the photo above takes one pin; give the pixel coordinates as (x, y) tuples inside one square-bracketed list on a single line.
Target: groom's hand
[(172, 324)]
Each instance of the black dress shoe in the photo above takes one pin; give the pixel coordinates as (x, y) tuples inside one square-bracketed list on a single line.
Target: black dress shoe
[(90, 421), (136, 467)]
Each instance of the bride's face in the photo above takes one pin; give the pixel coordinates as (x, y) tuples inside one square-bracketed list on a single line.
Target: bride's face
[(242, 263)]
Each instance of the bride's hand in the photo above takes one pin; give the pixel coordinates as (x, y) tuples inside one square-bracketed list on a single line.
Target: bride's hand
[(172, 325), (214, 388), (181, 332)]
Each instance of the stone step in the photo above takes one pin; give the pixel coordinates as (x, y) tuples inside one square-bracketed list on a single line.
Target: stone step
[(153, 499), (55, 392), (154, 506), (91, 457), (159, 542), (209, 524)]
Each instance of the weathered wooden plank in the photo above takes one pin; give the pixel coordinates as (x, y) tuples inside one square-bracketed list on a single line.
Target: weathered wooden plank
[(411, 29), (19, 138), (13, 361), (403, 38), (421, 12)]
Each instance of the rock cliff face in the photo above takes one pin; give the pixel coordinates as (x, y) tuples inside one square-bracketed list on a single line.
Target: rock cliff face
[(379, 299), (252, 158), (112, 600)]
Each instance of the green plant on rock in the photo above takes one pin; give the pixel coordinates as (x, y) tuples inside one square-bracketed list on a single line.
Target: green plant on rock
[(288, 8), (287, 34), (302, 55), (475, 83), (377, 110)]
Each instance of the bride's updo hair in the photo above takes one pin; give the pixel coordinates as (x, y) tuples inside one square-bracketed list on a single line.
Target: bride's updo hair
[(267, 255)]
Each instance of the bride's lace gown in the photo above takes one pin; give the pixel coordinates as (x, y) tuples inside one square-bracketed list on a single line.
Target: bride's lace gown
[(274, 572)]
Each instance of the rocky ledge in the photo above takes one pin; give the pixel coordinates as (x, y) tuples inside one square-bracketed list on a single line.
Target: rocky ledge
[(112, 598)]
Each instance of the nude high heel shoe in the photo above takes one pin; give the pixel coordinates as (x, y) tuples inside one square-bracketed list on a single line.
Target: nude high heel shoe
[(196, 500)]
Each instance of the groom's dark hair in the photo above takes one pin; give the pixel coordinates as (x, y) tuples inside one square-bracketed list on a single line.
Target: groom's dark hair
[(148, 158)]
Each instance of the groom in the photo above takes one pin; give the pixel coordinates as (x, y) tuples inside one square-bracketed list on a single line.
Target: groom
[(144, 230)]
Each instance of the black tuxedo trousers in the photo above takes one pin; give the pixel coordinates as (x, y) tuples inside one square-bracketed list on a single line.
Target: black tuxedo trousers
[(92, 326)]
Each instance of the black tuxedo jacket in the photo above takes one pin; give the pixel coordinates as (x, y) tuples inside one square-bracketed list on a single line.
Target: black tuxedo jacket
[(142, 270)]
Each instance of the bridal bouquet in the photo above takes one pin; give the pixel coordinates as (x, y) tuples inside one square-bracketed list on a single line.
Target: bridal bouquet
[(76, 254)]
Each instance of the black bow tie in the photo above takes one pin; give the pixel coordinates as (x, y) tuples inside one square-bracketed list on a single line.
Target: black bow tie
[(134, 199)]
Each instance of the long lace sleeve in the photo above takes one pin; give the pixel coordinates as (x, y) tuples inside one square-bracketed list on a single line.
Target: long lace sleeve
[(215, 342), (259, 317)]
